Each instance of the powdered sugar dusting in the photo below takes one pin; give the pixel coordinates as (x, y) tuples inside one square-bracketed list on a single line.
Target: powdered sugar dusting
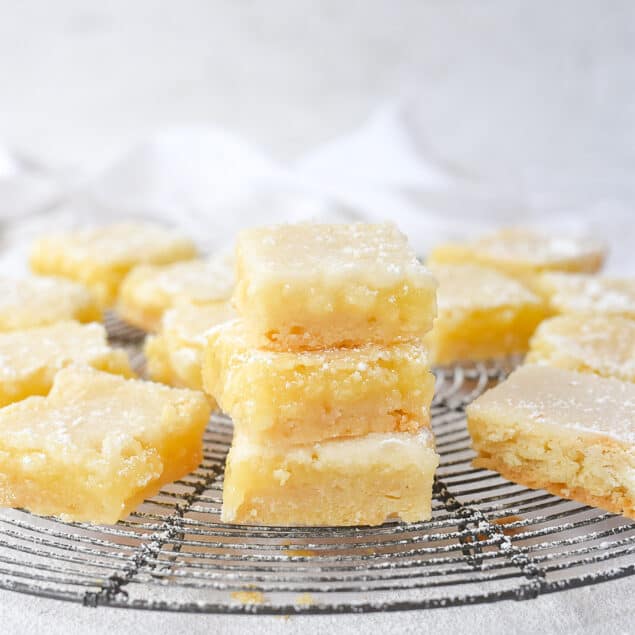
[(190, 323), (231, 337), (604, 344), (587, 293), (197, 281), (38, 300), (563, 399), (474, 287), (373, 253), (117, 243), (542, 250), (50, 348), (91, 410)]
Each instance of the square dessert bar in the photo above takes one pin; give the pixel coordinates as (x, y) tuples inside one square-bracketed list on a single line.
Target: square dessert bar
[(150, 290), (600, 344), (311, 286), (360, 481), (523, 252), (175, 355), (30, 359), (569, 433), (97, 445), (482, 314), (41, 300), (579, 293), (100, 258), (310, 396)]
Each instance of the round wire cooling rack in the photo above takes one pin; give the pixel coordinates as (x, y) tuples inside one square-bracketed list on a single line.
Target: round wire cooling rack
[(488, 540)]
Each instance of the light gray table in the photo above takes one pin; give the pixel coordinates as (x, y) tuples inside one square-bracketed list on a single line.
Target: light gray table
[(602, 609), (80, 81)]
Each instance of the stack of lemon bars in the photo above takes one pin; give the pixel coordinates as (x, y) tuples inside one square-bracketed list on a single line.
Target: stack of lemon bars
[(326, 378)]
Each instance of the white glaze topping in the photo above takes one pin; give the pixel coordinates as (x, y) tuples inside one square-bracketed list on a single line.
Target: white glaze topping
[(605, 343), (518, 244), (118, 243), (588, 293), (392, 447), (39, 299), (92, 410), (196, 281), (189, 323), (475, 287), (377, 254), (562, 399), (55, 346)]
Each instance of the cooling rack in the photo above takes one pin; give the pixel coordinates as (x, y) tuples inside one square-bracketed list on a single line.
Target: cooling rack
[(489, 540)]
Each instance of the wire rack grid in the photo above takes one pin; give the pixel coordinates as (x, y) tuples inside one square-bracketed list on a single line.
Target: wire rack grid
[(488, 540)]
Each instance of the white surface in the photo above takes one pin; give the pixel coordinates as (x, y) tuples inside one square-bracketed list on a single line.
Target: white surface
[(602, 609), (480, 113)]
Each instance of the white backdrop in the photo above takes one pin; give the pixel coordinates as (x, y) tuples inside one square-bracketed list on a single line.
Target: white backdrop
[(448, 117)]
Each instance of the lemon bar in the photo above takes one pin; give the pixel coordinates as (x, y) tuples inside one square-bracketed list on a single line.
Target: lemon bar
[(311, 286), (580, 293), (30, 359), (150, 290), (523, 252), (600, 344), (41, 300), (572, 434), (359, 481), (309, 396), (482, 314), (97, 445), (101, 257), (175, 355)]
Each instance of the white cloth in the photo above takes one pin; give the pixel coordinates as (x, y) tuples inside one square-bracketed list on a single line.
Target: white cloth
[(211, 184)]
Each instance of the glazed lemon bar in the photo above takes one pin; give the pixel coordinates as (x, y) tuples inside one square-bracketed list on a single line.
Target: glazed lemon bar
[(175, 355), (310, 396), (359, 481), (311, 286), (482, 314), (97, 445), (579, 293), (41, 300), (150, 290), (572, 434), (30, 359), (101, 257), (600, 344), (524, 252)]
